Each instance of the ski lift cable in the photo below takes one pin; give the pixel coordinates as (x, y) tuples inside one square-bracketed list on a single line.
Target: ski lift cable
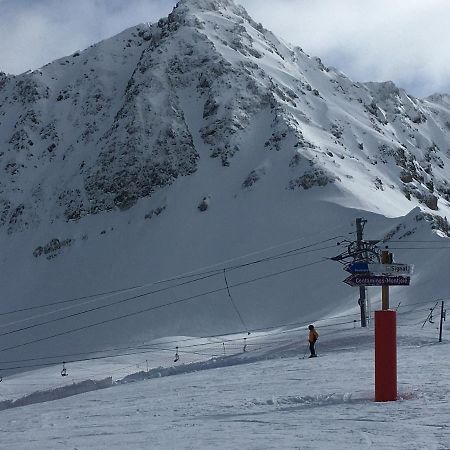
[(232, 302), (221, 264), (105, 306), (153, 346), (409, 242), (127, 299), (136, 353), (67, 356), (98, 307), (419, 248), (122, 300), (96, 358), (265, 343), (142, 346), (106, 294), (430, 315), (200, 271), (160, 349), (154, 349), (207, 275), (185, 299)]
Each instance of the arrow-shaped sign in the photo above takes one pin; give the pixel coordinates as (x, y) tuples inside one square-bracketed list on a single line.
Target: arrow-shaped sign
[(394, 268), (376, 280)]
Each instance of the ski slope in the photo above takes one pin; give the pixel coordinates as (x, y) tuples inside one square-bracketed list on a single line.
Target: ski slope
[(268, 397), (108, 264)]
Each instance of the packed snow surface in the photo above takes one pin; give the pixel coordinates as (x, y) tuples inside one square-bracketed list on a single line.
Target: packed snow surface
[(266, 398)]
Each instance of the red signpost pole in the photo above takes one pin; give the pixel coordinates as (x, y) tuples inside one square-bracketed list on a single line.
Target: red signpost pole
[(385, 356), (385, 274), (385, 346)]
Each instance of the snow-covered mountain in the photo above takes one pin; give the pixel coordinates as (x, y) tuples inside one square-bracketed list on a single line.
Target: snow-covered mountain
[(191, 142)]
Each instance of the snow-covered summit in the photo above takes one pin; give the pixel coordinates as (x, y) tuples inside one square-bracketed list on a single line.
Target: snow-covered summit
[(208, 5), (92, 115)]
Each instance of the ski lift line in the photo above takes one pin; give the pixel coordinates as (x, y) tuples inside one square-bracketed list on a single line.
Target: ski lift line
[(216, 336), (153, 349), (232, 302), (108, 305), (220, 264), (292, 252), (72, 361), (415, 310), (103, 296), (211, 273), (97, 308), (135, 313), (156, 348), (186, 352), (423, 303), (144, 294), (409, 242), (49, 313), (149, 346), (418, 248), (95, 358), (430, 314), (161, 349), (82, 312), (67, 356), (70, 300), (69, 361), (268, 258), (23, 344), (144, 346)]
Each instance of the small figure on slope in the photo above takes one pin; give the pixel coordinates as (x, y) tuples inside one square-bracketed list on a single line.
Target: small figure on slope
[(312, 338)]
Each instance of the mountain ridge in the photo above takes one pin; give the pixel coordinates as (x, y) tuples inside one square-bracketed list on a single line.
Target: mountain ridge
[(128, 129)]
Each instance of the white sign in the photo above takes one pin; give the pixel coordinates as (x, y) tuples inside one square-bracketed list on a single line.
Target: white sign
[(396, 268)]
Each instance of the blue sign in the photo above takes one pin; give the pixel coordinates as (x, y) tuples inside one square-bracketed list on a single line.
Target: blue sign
[(357, 267)]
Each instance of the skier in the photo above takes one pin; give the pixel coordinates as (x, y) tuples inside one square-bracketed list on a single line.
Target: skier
[(312, 338)]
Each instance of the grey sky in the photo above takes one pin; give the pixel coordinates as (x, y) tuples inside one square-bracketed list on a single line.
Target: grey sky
[(407, 41)]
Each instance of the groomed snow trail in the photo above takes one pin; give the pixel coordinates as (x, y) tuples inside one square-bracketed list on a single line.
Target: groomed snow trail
[(275, 403)]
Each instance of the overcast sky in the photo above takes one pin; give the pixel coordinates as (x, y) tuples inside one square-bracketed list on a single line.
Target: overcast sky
[(407, 41)]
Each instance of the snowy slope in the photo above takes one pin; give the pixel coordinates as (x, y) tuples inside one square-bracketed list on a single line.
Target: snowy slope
[(106, 155), (279, 401)]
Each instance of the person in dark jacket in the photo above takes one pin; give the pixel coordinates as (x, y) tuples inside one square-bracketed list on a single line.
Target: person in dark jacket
[(312, 338)]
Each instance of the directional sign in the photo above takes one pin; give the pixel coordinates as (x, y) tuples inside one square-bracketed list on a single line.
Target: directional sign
[(376, 280), (364, 267), (395, 268)]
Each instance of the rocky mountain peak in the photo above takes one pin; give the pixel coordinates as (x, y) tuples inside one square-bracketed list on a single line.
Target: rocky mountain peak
[(205, 5), (228, 9), (104, 128)]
